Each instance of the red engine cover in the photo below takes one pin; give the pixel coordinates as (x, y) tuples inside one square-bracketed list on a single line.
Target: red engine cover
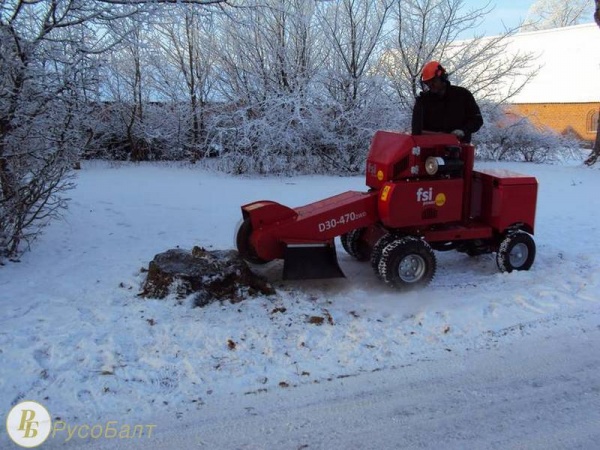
[(394, 156), (421, 203)]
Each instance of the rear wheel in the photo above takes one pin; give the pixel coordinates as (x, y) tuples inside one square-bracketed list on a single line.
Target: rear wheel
[(516, 252), (242, 242), (345, 244), (378, 249), (407, 263), (355, 246)]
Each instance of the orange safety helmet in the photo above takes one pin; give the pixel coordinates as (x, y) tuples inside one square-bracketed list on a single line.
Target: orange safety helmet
[(431, 70)]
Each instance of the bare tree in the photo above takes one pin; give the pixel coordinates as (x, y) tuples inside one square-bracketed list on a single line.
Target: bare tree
[(267, 58), (267, 49), (351, 89), (185, 40), (353, 30), (429, 30), (124, 92), (545, 14), (47, 71)]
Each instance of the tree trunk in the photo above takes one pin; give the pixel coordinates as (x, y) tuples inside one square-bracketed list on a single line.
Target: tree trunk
[(211, 275)]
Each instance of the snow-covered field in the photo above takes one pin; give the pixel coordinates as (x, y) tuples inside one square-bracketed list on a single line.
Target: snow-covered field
[(75, 337)]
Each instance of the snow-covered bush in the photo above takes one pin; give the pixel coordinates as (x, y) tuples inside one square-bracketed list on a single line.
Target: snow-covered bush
[(42, 78), (508, 137), (260, 138), (159, 135), (295, 135)]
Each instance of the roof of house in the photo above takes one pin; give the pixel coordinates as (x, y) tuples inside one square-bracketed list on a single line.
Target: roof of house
[(570, 60)]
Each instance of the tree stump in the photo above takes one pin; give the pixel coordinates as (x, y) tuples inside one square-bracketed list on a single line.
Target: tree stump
[(210, 275)]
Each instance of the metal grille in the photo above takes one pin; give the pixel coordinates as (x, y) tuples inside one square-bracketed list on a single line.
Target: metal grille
[(429, 213)]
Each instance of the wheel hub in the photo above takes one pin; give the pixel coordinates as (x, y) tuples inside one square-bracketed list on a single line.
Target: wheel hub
[(411, 268), (518, 255)]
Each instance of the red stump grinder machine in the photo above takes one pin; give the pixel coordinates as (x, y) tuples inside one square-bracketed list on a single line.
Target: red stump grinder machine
[(423, 195)]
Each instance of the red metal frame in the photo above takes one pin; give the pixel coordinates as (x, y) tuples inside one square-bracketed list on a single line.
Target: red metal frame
[(276, 226)]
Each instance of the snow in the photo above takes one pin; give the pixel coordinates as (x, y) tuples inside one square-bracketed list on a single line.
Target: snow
[(568, 59), (422, 369)]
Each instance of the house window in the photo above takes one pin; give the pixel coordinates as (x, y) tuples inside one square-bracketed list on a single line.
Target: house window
[(592, 122)]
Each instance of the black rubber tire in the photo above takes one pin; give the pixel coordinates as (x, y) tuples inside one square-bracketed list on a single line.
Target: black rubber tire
[(355, 246), (516, 252), (378, 249), (344, 241), (407, 263), (244, 247)]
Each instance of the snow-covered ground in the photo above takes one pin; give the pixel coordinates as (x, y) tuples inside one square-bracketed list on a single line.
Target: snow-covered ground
[(75, 337)]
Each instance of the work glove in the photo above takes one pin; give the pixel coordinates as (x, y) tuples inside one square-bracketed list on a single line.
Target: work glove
[(458, 133)]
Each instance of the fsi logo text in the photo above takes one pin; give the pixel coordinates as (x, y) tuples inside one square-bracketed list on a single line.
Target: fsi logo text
[(424, 195)]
